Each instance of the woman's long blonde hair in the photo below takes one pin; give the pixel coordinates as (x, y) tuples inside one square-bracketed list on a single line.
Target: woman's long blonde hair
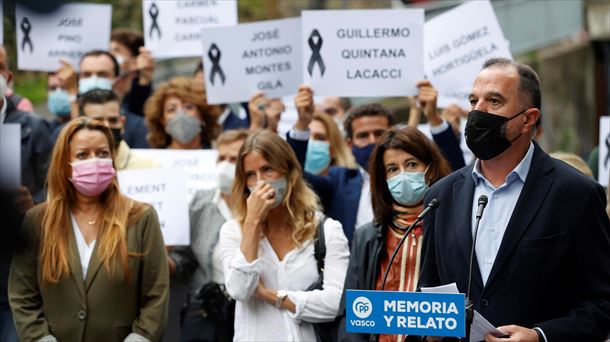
[(300, 201), (342, 156), (56, 222)]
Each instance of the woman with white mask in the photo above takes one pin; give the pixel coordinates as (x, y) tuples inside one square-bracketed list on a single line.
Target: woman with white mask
[(201, 262), (268, 250), (403, 164)]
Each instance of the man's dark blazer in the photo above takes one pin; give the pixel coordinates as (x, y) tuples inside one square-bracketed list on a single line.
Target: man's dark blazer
[(553, 267), (36, 149), (339, 192)]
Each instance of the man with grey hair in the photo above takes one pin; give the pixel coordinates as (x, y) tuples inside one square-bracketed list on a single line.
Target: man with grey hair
[(542, 249)]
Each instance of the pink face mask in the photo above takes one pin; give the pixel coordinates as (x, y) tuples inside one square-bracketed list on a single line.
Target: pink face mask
[(91, 177)]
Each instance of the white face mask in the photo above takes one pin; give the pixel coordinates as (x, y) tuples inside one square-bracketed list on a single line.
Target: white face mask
[(3, 85), (225, 171)]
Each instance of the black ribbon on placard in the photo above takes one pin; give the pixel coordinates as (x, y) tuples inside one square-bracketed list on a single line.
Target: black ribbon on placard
[(26, 27), (607, 151), (153, 11), (214, 54), (315, 45)]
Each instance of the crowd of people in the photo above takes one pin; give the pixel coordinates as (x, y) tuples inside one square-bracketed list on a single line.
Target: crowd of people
[(295, 220)]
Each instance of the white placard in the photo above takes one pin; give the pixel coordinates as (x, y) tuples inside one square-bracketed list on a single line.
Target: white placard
[(10, 155), (455, 49), (173, 28), (164, 189), (604, 151), (363, 52), (199, 165), (263, 56), (69, 32)]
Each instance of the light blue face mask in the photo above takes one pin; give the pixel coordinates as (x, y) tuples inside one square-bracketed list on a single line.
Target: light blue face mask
[(408, 188), (94, 82), (59, 102), (279, 186), (318, 156)]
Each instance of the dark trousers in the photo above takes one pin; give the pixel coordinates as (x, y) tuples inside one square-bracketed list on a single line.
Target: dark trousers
[(197, 326)]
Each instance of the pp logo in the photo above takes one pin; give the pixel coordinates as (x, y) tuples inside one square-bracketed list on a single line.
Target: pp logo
[(362, 307)]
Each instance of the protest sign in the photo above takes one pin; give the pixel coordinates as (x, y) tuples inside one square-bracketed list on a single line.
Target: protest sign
[(243, 59), (67, 33), (10, 155), (165, 190), (199, 165), (363, 52), (173, 28), (455, 49)]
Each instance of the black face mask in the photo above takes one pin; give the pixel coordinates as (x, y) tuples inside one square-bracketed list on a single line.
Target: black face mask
[(118, 137), (486, 134)]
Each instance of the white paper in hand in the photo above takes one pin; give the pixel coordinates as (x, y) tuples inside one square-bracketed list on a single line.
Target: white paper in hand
[(480, 326)]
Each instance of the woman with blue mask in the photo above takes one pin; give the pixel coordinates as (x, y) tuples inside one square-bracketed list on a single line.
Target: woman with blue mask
[(403, 165), (326, 146), (268, 250)]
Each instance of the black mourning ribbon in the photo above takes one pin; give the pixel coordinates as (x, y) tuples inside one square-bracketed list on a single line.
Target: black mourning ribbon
[(214, 54), (26, 27), (607, 151), (315, 53), (153, 11)]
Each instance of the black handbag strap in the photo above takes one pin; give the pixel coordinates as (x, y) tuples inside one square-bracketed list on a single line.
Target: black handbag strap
[(320, 245)]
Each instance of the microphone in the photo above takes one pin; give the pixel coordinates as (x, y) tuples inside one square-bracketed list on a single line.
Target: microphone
[(482, 202), (434, 203)]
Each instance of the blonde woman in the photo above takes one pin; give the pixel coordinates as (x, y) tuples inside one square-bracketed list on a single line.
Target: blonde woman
[(267, 251), (178, 116), (97, 270), (326, 147)]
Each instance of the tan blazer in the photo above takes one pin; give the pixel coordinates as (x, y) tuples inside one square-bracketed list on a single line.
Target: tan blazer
[(102, 307)]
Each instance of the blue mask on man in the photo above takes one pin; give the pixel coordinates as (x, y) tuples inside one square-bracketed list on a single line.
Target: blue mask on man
[(59, 102), (408, 188), (94, 82), (362, 154), (318, 156)]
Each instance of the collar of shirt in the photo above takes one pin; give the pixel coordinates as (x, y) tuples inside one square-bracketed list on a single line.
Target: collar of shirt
[(3, 110), (519, 172), (224, 115), (222, 206)]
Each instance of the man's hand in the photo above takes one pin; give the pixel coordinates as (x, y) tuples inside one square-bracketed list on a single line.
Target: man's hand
[(256, 106), (303, 101), (515, 334), (145, 65), (68, 77), (427, 100)]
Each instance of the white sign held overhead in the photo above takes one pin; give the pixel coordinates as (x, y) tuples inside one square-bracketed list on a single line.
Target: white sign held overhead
[(604, 151), (67, 33), (199, 165), (165, 190), (363, 52), (173, 28), (10, 155), (243, 59), (456, 47)]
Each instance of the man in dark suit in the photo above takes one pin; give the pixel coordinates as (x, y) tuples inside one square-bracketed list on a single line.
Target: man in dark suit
[(542, 248)]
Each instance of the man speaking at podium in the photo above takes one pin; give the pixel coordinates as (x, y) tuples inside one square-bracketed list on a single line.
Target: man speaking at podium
[(541, 269)]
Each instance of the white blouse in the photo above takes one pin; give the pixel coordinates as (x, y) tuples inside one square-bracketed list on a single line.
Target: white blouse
[(261, 321), (84, 250)]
